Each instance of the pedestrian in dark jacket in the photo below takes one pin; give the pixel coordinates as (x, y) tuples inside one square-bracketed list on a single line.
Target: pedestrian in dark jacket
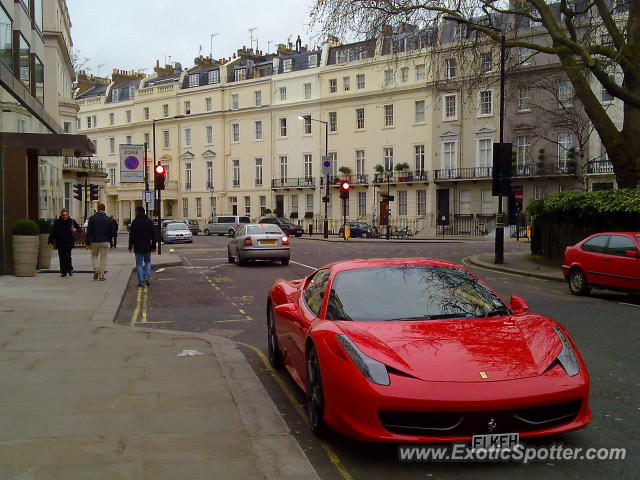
[(61, 238), (142, 241), (114, 240), (100, 231)]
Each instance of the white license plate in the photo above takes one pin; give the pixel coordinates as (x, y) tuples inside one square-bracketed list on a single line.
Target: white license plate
[(498, 440)]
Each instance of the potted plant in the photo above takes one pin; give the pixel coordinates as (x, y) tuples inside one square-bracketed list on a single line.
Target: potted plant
[(345, 170), (267, 211), (293, 215), (541, 160), (379, 171), (25, 247), (571, 160), (401, 168), (44, 252)]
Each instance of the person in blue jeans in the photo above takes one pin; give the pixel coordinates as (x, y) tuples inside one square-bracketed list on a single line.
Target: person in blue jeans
[(142, 241)]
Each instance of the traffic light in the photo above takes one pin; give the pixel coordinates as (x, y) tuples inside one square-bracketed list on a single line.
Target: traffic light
[(77, 191), (501, 173), (93, 192), (344, 189), (159, 175)]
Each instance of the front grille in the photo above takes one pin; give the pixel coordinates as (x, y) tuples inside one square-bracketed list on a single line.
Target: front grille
[(451, 424)]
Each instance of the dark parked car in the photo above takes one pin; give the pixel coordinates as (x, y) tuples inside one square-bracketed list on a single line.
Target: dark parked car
[(193, 225), (608, 260), (358, 229), (285, 225)]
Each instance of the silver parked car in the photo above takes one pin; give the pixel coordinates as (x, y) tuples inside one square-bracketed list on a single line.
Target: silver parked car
[(176, 232), (256, 241), (224, 225)]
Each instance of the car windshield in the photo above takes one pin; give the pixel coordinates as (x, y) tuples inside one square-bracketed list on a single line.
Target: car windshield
[(177, 226), (244, 220), (259, 229), (283, 220), (410, 292)]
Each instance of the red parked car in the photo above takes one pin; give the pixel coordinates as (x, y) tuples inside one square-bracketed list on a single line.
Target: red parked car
[(421, 350), (608, 260)]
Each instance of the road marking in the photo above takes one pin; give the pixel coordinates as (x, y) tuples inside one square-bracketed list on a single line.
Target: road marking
[(247, 319), (303, 265), (145, 295), (630, 304), (333, 457), (235, 305), (136, 311)]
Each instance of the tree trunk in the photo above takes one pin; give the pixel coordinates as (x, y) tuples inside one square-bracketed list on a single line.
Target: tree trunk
[(626, 164)]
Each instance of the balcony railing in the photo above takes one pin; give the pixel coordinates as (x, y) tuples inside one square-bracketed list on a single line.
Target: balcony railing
[(600, 167), (473, 173), (301, 182), (543, 169), (94, 166), (407, 176)]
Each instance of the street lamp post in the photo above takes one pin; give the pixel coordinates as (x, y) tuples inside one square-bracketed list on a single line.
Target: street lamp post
[(326, 176), (389, 173), (499, 240)]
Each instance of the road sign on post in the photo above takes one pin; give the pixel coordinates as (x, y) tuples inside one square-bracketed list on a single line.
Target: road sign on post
[(131, 163), (501, 174)]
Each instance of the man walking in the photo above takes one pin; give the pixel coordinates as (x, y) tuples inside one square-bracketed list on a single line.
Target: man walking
[(142, 241), (100, 231)]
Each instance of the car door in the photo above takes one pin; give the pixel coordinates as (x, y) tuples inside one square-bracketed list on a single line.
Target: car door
[(592, 259), (233, 241), (621, 271), (310, 305)]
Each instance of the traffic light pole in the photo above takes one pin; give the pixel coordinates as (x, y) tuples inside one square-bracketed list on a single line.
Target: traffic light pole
[(146, 176), (388, 236), (344, 218), (159, 193), (499, 243), (86, 197)]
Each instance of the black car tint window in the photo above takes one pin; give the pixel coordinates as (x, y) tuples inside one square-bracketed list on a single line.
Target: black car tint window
[(314, 293), (596, 244), (618, 244)]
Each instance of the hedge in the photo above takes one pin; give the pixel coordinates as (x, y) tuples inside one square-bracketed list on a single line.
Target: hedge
[(608, 209)]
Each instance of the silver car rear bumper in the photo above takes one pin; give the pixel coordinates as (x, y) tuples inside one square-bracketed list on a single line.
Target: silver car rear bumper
[(264, 253)]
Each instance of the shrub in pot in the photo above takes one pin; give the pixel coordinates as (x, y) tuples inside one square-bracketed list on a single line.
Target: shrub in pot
[(26, 241), (44, 252)]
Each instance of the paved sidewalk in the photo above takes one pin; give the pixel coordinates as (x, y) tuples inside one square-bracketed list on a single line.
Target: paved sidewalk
[(82, 398), (520, 263)]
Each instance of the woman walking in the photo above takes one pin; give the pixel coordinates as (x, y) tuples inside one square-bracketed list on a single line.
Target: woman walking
[(61, 237)]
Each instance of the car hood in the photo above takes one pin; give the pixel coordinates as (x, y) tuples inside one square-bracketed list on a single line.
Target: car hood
[(504, 348)]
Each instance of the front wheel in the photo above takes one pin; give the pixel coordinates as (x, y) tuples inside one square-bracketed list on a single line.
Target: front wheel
[(275, 359), (315, 396), (578, 282)]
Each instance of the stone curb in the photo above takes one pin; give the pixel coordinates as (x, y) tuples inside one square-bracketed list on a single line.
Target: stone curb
[(277, 451), (474, 260), (383, 241)]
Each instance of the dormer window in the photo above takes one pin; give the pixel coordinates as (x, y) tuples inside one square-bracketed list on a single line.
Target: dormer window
[(115, 97), (342, 56), (288, 65), (194, 80), (214, 76), (240, 74), (313, 61), (132, 92)]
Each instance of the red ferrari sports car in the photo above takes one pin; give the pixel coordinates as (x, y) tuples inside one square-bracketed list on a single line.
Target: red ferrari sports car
[(421, 350)]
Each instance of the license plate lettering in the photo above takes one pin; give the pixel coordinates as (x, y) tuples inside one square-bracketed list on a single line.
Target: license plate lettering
[(495, 441)]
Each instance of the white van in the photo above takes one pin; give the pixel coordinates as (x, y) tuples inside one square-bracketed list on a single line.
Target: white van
[(224, 225)]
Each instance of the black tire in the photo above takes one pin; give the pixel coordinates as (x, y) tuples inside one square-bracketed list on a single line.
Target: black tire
[(578, 282), (315, 395), (275, 357), (207, 233), (230, 258), (230, 231), (241, 260), (298, 235), (285, 261)]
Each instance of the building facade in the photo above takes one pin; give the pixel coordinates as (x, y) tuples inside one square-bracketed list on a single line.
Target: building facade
[(34, 46), (246, 135)]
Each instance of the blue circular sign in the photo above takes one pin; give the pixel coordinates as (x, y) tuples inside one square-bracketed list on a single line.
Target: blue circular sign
[(131, 162), (326, 163)]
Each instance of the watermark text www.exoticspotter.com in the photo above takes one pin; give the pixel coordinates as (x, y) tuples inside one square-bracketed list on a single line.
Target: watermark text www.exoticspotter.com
[(460, 452)]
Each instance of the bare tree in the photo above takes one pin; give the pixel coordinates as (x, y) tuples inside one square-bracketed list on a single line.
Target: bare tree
[(598, 39), (78, 61)]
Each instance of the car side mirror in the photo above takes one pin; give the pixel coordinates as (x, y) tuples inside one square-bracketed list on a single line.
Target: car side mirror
[(518, 304), (631, 253)]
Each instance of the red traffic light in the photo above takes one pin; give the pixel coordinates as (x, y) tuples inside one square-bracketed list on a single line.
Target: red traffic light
[(345, 186), (344, 189), (160, 169)]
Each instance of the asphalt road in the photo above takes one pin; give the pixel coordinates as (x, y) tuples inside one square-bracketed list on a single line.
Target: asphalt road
[(207, 294)]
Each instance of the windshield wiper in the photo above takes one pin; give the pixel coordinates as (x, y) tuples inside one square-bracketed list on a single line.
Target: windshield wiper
[(439, 316), (499, 312)]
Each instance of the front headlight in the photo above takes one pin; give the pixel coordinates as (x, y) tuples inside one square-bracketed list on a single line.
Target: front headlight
[(373, 370), (567, 357)]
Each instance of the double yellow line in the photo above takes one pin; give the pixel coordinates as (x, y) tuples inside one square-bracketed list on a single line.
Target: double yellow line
[(141, 308)]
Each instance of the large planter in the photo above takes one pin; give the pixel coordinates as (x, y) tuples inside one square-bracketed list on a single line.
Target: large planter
[(44, 253), (25, 255)]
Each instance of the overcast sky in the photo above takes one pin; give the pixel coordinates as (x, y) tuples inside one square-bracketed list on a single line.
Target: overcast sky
[(133, 34)]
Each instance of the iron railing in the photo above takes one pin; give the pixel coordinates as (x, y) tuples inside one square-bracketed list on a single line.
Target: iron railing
[(471, 173), (83, 163), (600, 167), (301, 182), (407, 176)]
